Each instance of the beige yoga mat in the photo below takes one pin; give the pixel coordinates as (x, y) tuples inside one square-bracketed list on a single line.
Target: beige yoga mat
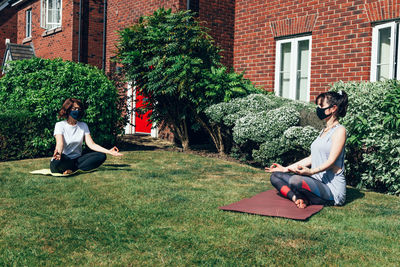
[(48, 172), (270, 203)]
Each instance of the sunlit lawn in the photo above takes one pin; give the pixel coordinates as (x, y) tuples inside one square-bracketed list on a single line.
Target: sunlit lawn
[(161, 208)]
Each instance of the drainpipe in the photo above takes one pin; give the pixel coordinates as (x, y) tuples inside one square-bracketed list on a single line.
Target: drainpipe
[(80, 31), (103, 65)]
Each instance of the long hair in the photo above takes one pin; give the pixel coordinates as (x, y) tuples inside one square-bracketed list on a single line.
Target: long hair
[(68, 104)]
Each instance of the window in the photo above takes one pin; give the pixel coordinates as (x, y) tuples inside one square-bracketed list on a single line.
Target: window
[(384, 61), (292, 69), (28, 26), (50, 16)]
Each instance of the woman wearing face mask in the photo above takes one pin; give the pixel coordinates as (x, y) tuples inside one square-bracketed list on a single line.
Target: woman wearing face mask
[(69, 135), (319, 178)]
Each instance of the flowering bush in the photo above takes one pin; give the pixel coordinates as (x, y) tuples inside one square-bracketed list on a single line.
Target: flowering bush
[(264, 125), (373, 144), (261, 127)]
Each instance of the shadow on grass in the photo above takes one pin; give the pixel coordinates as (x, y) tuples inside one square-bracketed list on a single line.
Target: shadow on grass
[(134, 147), (353, 194)]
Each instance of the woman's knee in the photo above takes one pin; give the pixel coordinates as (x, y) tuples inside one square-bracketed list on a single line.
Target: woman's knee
[(101, 156), (54, 166), (274, 178)]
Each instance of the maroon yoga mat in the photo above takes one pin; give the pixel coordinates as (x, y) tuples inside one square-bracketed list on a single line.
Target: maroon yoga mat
[(270, 203)]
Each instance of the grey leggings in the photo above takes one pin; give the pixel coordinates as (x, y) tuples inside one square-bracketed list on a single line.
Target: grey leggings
[(303, 187), (85, 162)]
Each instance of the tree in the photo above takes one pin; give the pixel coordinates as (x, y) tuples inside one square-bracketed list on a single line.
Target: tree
[(174, 63)]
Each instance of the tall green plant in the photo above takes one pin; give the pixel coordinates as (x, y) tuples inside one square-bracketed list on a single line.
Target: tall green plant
[(176, 66)]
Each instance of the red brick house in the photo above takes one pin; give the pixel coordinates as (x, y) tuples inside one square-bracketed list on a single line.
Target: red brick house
[(295, 48), (299, 48), (86, 30)]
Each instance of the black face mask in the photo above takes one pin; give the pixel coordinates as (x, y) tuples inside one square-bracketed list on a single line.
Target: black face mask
[(321, 113)]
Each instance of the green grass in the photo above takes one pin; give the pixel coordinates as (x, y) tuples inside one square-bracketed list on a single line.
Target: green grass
[(161, 208)]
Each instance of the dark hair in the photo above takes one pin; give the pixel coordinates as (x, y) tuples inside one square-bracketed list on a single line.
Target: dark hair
[(333, 98), (68, 104)]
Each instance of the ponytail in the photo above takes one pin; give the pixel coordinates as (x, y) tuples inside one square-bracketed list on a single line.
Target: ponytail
[(339, 99)]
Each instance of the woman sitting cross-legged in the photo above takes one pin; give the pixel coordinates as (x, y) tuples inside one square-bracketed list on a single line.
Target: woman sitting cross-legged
[(69, 135), (324, 183)]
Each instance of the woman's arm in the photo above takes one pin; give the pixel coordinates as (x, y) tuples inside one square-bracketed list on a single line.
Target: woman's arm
[(93, 146), (304, 162), (338, 142), (59, 146), (275, 167)]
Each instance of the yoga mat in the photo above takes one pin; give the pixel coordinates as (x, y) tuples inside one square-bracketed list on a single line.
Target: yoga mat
[(270, 203), (48, 172)]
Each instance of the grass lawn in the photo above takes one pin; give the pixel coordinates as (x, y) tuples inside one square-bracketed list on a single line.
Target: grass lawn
[(161, 208)]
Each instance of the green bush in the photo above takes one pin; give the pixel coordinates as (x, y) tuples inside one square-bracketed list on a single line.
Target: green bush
[(267, 128), (373, 144), (16, 132), (40, 86)]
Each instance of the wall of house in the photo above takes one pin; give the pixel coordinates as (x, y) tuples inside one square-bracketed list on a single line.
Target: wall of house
[(341, 38), (219, 17), (52, 44), (122, 14), (8, 29), (63, 42)]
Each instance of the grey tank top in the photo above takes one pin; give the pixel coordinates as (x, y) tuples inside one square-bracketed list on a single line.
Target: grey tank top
[(320, 149)]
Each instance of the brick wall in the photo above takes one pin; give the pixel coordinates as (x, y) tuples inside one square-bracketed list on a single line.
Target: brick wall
[(8, 29), (341, 38), (64, 41), (121, 14), (54, 45), (218, 16), (93, 22)]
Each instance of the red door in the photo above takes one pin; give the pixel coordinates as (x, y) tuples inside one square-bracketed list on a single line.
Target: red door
[(142, 124)]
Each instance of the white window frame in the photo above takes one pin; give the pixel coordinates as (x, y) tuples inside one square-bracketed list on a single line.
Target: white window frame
[(28, 23), (293, 65), (375, 46), (44, 15)]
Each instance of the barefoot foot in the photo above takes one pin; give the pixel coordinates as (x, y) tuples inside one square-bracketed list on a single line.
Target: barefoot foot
[(67, 172), (301, 204)]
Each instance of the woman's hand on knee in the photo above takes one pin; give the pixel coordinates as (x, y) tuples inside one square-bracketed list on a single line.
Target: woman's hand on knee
[(275, 167), (56, 155), (301, 170), (115, 152)]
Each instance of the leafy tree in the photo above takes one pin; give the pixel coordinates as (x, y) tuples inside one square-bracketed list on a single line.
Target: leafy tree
[(175, 65)]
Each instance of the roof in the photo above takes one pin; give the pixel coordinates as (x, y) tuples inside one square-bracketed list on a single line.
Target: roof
[(17, 52), (6, 3)]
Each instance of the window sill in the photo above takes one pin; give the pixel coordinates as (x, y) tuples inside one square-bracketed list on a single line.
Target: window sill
[(52, 31), (27, 40)]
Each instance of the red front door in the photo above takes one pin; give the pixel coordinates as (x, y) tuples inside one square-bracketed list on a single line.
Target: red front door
[(142, 123)]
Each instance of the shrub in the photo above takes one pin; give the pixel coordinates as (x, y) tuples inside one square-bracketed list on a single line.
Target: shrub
[(372, 150), (261, 127), (40, 86), (16, 132)]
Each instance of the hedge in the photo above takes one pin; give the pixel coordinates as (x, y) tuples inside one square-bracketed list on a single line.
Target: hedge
[(16, 135), (373, 145), (40, 86)]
